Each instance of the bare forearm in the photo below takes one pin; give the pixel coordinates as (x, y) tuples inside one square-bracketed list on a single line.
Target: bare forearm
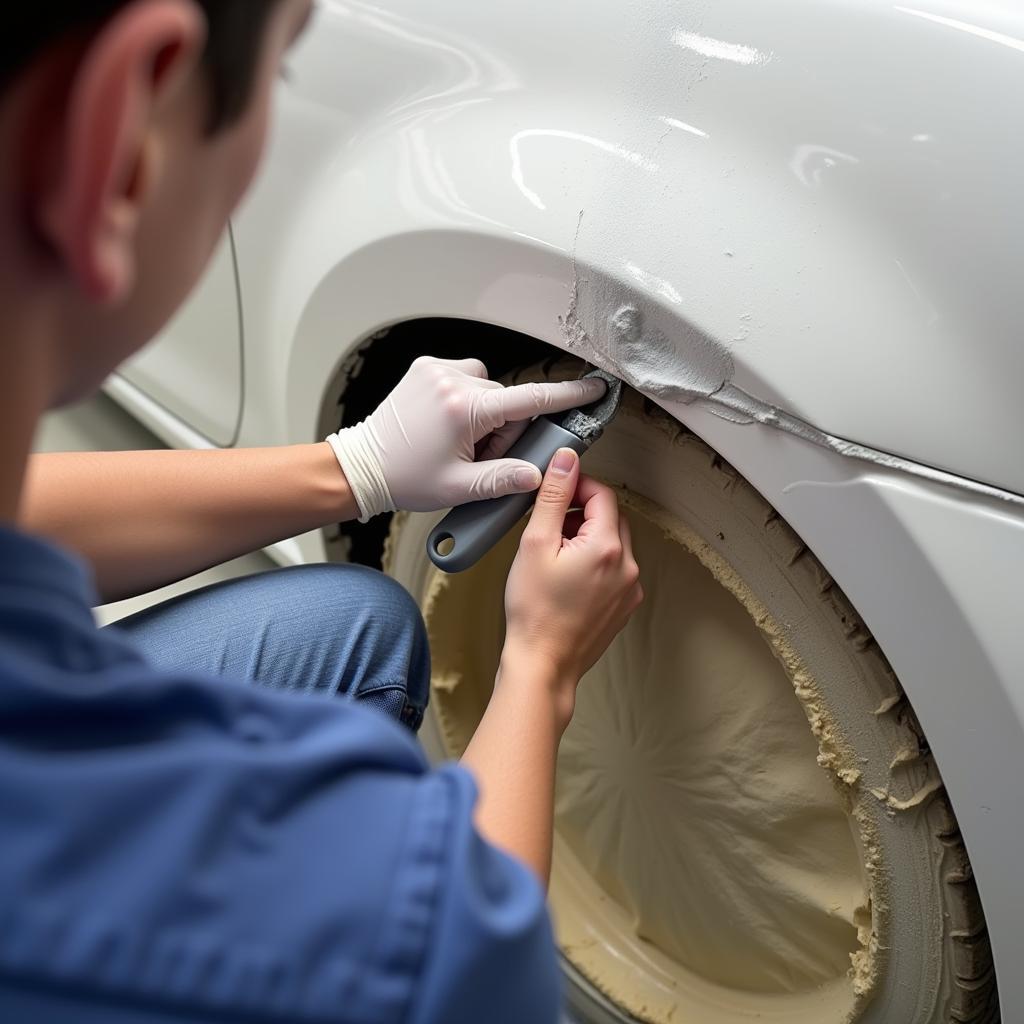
[(512, 755), (145, 519)]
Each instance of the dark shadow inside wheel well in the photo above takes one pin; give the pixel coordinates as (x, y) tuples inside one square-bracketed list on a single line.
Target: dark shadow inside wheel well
[(369, 374)]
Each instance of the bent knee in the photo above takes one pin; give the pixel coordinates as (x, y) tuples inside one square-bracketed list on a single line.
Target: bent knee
[(375, 632), (330, 587)]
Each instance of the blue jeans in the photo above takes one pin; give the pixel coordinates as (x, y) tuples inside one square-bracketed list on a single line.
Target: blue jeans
[(339, 630)]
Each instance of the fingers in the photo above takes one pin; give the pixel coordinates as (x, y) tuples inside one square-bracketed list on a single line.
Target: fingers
[(524, 401), (625, 536), (600, 505), (573, 523), (500, 440), (481, 481), (636, 591), (554, 499), (472, 367)]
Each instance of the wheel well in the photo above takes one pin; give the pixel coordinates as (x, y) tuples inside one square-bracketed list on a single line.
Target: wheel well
[(380, 362)]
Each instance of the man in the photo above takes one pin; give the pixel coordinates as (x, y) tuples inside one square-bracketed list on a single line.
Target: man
[(194, 826)]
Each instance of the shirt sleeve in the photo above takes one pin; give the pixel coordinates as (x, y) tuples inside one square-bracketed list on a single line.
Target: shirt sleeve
[(211, 849), (491, 956)]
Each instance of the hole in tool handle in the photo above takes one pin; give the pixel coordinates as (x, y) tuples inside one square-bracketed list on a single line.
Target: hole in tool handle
[(444, 544), (475, 528)]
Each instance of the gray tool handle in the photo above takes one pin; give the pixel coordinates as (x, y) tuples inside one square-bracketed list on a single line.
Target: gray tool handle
[(475, 528)]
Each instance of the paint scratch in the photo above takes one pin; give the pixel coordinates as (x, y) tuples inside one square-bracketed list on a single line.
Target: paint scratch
[(572, 329), (733, 403)]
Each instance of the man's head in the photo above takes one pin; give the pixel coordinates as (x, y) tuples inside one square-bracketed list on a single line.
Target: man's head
[(129, 129)]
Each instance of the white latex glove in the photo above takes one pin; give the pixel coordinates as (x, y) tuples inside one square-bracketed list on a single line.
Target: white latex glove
[(418, 451)]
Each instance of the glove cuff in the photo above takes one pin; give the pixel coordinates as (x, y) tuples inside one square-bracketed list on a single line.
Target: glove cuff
[(356, 454)]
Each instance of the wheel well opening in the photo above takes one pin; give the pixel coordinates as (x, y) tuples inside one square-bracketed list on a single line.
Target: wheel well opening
[(368, 375)]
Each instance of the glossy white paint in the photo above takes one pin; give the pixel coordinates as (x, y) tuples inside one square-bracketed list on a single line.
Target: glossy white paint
[(194, 369), (827, 190), (845, 220)]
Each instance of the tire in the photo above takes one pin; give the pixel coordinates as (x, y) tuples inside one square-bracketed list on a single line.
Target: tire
[(923, 956)]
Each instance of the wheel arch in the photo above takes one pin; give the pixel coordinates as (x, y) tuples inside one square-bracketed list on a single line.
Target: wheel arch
[(924, 611)]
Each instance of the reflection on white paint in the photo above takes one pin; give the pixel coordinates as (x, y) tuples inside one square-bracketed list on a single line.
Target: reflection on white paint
[(658, 285), (682, 126), (922, 137), (469, 67), (631, 157), (719, 49), (425, 182), (931, 314), (810, 162), (964, 26)]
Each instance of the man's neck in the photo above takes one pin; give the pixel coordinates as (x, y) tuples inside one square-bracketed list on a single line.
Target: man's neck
[(25, 393), (29, 316)]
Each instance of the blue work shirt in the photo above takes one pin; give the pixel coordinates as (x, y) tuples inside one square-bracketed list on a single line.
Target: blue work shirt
[(176, 848)]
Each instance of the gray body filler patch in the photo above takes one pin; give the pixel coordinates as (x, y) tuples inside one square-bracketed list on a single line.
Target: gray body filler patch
[(690, 367)]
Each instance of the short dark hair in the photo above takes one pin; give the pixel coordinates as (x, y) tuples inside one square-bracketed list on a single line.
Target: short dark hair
[(233, 46)]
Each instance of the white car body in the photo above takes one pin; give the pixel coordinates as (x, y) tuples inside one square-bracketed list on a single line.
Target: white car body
[(814, 206)]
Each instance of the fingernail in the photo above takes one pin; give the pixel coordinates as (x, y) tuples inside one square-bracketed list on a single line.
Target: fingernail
[(564, 460), (528, 479)]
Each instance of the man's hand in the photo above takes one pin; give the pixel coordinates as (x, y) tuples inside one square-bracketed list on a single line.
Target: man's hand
[(439, 438), (574, 583), (572, 587)]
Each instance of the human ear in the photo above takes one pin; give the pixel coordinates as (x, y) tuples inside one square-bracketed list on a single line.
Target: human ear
[(109, 147)]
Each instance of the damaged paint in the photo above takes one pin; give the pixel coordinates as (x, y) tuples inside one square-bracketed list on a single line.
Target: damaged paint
[(572, 329), (673, 361)]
